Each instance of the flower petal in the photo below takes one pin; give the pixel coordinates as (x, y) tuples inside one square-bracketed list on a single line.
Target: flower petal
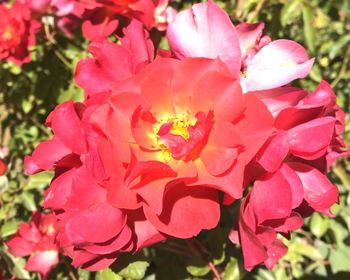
[(205, 30), (277, 64)]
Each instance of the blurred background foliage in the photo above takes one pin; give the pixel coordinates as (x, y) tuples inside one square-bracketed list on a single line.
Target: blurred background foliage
[(321, 250)]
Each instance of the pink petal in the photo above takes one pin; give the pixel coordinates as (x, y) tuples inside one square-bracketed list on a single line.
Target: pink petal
[(205, 30), (277, 64), (249, 35), (42, 262)]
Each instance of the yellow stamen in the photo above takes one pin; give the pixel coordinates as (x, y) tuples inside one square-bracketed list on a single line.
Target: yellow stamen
[(180, 123), (179, 126)]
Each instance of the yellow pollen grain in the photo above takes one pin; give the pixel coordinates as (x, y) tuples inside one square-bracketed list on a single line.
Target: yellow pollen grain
[(164, 154), (180, 123)]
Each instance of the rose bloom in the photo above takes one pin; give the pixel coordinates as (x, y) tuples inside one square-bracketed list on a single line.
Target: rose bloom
[(151, 146), (102, 17), (36, 239), (289, 172), (17, 33)]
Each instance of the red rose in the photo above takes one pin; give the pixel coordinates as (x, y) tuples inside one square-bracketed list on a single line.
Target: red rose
[(148, 157), (101, 18), (37, 240), (289, 172), (17, 33)]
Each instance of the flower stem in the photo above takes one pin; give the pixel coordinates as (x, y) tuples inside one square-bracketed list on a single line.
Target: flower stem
[(198, 247)]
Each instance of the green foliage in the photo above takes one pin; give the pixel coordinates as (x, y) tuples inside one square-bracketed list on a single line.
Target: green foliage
[(319, 251)]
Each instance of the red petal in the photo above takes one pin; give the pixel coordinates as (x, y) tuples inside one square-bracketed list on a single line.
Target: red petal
[(271, 198), (20, 247), (310, 139), (99, 223), (319, 192), (295, 183), (274, 151), (183, 214), (113, 245), (276, 251), (66, 125)]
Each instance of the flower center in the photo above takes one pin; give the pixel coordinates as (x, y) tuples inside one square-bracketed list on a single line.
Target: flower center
[(175, 125), (180, 137)]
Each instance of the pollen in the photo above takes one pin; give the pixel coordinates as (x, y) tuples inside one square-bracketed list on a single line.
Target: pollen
[(170, 124), (178, 125), (164, 154)]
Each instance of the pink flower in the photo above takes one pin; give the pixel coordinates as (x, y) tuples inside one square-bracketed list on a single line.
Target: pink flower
[(37, 240), (17, 33), (206, 30)]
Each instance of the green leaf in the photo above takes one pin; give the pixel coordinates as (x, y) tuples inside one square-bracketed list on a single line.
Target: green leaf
[(108, 274), (39, 181), (340, 259), (232, 270), (9, 228), (28, 201), (136, 270), (4, 183), (318, 225), (339, 232), (15, 265), (309, 31), (290, 11), (280, 274), (198, 270), (301, 247), (315, 73)]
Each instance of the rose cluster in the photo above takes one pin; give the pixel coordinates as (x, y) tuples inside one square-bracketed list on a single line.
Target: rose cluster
[(21, 20), (160, 139)]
